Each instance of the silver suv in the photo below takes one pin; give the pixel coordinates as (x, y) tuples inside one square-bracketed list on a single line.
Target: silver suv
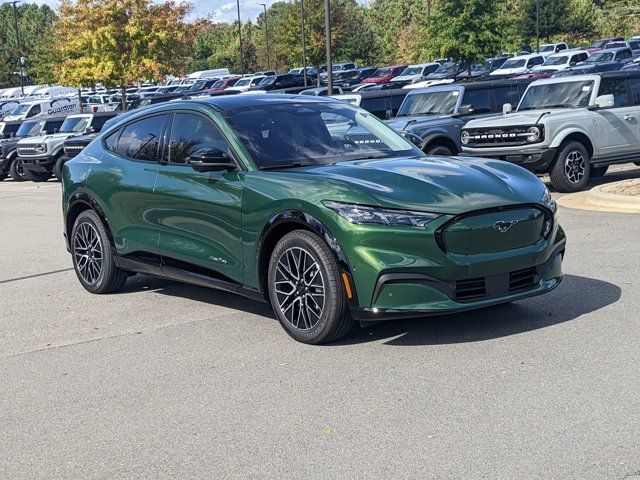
[(572, 128)]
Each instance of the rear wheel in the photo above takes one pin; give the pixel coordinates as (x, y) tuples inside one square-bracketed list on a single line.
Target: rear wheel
[(306, 290), (93, 256), (57, 168), (597, 172), (571, 170), (16, 170), (441, 150)]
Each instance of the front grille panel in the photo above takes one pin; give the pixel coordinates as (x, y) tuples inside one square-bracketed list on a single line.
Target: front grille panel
[(22, 151), (502, 137), (493, 286), (522, 279), (72, 150), (470, 289)]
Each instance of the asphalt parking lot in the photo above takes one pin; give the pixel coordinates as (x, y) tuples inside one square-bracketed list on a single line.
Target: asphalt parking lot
[(166, 380)]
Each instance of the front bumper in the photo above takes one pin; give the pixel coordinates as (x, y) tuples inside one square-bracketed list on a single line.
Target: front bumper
[(38, 164), (537, 161)]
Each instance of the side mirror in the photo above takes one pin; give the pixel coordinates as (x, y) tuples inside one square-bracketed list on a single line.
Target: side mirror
[(412, 137), (55, 130), (507, 108), (91, 129), (465, 109), (605, 101), (388, 114), (210, 160)]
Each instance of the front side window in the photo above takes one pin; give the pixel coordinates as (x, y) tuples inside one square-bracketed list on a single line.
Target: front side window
[(430, 103), (547, 48), (624, 54), (506, 95), (557, 95), (296, 134), (616, 87), (600, 57), (35, 110), (190, 133), (478, 100), (141, 139)]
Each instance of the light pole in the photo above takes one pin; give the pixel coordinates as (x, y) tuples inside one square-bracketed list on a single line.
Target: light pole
[(240, 38), (327, 27), (304, 44), (20, 58), (266, 33), (537, 26)]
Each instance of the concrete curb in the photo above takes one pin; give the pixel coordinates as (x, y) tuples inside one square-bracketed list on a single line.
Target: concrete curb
[(598, 200)]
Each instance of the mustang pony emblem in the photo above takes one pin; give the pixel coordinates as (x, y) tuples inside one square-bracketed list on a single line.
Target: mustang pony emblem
[(502, 227)]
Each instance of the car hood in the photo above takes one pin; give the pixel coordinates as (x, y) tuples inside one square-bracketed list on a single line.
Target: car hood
[(402, 123), (406, 78), (448, 185), (55, 136), (529, 117)]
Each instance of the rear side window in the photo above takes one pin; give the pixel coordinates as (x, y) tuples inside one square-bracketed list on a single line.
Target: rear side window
[(479, 100), (506, 95), (635, 90), (624, 54), (616, 87), (190, 133), (50, 127), (141, 139)]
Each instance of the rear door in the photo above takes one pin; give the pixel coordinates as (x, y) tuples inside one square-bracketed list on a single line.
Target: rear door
[(198, 214), (618, 125), (634, 84)]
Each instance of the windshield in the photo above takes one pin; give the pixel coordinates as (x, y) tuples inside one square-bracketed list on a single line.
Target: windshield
[(297, 134), (615, 45), (562, 60), (430, 103), (243, 82), (74, 125), (218, 84), (448, 67), (557, 95), (514, 63), (21, 109), (547, 48), (268, 80), (598, 44), (199, 85), (28, 129), (412, 71), (485, 65), (381, 72), (600, 57)]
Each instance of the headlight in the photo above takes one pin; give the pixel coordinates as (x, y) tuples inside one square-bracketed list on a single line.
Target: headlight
[(464, 137), (42, 148), (362, 215), (533, 134), (548, 201)]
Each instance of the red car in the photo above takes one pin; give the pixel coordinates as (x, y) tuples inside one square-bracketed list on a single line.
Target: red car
[(223, 84), (385, 74)]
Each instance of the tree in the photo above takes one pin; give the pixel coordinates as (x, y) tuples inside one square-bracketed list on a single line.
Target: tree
[(464, 30), (120, 42), (553, 15)]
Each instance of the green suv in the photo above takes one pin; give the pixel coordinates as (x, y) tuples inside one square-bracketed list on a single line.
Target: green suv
[(311, 204)]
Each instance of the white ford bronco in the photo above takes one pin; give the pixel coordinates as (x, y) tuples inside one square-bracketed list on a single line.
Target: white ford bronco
[(572, 128)]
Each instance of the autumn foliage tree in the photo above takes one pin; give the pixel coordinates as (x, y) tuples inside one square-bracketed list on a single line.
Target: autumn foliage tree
[(119, 42)]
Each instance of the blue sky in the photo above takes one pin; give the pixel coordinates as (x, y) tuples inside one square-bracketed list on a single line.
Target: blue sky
[(221, 10)]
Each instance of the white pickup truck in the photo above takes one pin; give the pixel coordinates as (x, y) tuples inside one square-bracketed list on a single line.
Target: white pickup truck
[(572, 128)]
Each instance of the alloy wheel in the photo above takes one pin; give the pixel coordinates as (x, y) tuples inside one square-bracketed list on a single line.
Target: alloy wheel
[(19, 168), (574, 166), (299, 288), (87, 250)]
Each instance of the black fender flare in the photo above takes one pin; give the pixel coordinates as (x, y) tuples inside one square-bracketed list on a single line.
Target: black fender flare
[(437, 136), (308, 222), (82, 198)]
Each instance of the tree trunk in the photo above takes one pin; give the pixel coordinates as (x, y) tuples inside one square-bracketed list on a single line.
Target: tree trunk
[(123, 91)]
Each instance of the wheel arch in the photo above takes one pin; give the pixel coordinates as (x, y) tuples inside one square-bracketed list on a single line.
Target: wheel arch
[(287, 221), (574, 135), (79, 203)]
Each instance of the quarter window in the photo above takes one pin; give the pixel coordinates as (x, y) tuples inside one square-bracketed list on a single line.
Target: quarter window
[(141, 139), (190, 133), (616, 87)]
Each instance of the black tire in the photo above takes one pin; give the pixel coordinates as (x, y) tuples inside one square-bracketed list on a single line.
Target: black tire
[(36, 176), (3, 175), (571, 170), (17, 170), (308, 312), (93, 256), (57, 167), (440, 150), (597, 172)]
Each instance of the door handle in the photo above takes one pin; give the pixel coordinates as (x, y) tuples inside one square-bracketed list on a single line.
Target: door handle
[(628, 118)]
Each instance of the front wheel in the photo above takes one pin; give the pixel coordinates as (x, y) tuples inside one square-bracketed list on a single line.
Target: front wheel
[(439, 150), (57, 167), (93, 257), (306, 290), (17, 171), (571, 170)]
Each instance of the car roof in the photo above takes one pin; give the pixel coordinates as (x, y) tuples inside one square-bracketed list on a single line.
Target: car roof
[(230, 102), (472, 86), (592, 76), (568, 52)]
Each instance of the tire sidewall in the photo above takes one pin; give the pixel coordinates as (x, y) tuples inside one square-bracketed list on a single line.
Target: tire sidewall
[(438, 150), (90, 217), (334, 298), (13, 172), (558, 175)]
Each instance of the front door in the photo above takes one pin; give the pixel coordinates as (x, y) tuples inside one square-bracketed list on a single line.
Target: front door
[(198, 214), (618, 125)]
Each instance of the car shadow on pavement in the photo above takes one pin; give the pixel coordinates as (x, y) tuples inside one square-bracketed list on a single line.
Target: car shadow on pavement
[(574, 297)]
